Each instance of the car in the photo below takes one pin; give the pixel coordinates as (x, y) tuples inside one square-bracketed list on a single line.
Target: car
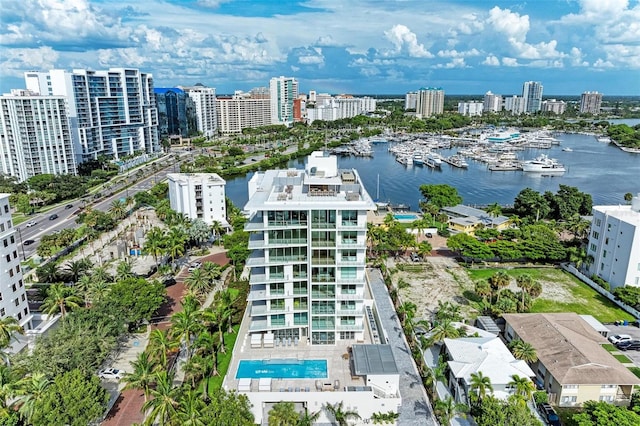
[(629, 345), (415, 257), (53, 217), (30, 224), (168, 281), (549, 414), (111, 373), (617, 338), (194, 265), (28, 242), (68, 206)]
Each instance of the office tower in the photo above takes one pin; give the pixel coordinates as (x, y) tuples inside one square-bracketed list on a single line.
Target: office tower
[(410, 100), (283, 91), (308, 252), (176, 113), (13, 297), (243, 110), (554, 106), (590, 102), (204, 99), (198, 196), (492, 103), (112, 112), (532, 96), (430, 102), (35, 135), (614, 244)]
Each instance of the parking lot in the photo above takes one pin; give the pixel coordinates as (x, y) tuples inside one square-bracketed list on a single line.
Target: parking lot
[(632, 331)]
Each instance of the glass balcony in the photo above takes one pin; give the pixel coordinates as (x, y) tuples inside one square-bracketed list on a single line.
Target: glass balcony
[(349, 327), (323, 325), (322, 310), (323, 278), (323, 295), (323, 260)]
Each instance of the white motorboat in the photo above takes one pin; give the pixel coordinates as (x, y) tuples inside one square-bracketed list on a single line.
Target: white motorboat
[(567, 149), (543, 164)]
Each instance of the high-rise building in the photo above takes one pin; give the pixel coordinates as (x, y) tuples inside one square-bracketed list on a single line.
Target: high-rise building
[(515, 104), (111, 112), (410, 100), (198, 196), (176, 112), (470, 109), (614, 244), (35, 135), (430, 101), (532, 96), (204, 99), (590, 103), (241, 111), (283, 91), (13, 297), (554, 106), (492, 103), (308, 255)]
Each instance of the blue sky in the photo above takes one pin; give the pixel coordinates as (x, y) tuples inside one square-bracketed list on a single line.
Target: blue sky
[(336, 46)]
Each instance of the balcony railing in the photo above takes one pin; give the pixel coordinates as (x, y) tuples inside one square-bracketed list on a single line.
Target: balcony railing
[(344, 296), (322, 295), (323, 260), (349, 327)]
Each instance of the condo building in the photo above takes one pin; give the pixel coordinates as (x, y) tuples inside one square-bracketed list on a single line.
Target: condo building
[(13, 297), (590, 102), (111, 112), (532, 96), (430, 101), (35, 135), (492, 102), (283, 91), (614, 244), (241, 111), (410, 100), (198, 196), (554, 106), (204, 99), (470, 109)]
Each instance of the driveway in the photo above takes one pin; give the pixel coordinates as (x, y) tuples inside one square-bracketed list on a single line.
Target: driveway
[(632, 331)]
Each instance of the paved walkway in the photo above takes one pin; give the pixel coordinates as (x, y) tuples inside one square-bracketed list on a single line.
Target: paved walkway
[(416, 409)]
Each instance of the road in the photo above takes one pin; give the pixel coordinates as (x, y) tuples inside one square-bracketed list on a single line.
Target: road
[(67, 216)]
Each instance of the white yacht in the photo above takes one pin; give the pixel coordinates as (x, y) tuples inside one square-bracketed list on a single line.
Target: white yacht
[(542, 164)]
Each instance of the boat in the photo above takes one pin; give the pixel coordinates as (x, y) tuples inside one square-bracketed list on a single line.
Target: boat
[(543, 164), (457, 161), (434, 160), (604, 139), (567, 149), (417, 159), (379, 204)]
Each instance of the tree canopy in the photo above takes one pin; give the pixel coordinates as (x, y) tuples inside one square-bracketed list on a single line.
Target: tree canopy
[(441, 195)]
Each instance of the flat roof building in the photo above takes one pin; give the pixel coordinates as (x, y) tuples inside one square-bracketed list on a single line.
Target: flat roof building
[(199, 196)]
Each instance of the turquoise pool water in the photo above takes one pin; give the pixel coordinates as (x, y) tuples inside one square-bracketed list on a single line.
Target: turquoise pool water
[(405, 216), (282, 369)]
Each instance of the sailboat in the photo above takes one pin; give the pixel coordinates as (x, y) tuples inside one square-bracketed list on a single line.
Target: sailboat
[(379, 204)]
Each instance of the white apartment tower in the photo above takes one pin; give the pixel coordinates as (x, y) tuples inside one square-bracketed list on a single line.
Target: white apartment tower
[(204, 99), (554, 106), (514, 104), (283, 91), (35, 135), (242, 111), (614, 243), (590, 102), (470, 109), (532, 96), (198, 196), (430, 101), (111, 112), (13, 297), (410, 100), (308, 248), (492, 103)]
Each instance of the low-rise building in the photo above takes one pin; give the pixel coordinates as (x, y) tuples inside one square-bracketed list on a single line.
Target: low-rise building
[(572, 365), (467, 219)]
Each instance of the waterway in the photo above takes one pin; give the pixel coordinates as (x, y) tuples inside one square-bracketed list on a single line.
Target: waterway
[(597, 168)]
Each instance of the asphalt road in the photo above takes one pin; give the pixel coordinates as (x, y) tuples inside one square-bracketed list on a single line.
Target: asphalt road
[(67, 216)]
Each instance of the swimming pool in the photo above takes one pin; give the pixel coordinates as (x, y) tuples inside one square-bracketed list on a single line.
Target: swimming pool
[(282, 369), (405, 216)]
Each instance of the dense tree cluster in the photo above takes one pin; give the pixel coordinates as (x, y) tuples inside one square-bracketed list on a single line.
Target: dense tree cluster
[(568, 202), (625, 135)]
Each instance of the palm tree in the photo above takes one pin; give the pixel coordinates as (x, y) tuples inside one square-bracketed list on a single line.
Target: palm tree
[(155, 243), (118, 209), (523, 386), (78, 268), (142, 377), (175, 242), (577, 256), (214, 316), (212, 270), (225, 301), (481, 385), (483, 289), (523, 350), (8, 388), (60, 298), (494, 210), (185, 324), (198, 282), (407, 310), (444, 330), (97, 291), (341, 416), (307, 419), (498, 281), (217, 229), (124, 270), (33, 388), (446, 409), (49, 273), (424, 249), (283, 414), (525, 282), (163, 406), (8, 327), (190, 408), (100, 273), (161, 344)]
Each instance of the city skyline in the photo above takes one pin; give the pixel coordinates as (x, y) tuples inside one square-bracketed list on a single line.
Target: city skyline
[(464, 47)]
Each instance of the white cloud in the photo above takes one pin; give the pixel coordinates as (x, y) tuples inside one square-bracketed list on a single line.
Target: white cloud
[(17, 61), (406, 41), (455, 63), (600, 63), (510, 62), (576, 58), (492, 61), (455, 54), (509, 23)]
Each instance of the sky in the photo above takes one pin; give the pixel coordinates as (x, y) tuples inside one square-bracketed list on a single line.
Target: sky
[(334, 46)]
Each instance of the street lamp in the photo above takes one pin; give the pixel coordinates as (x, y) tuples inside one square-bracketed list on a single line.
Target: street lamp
[(21, 244)]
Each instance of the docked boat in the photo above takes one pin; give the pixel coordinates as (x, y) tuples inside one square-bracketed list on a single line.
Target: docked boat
[(457, 161), (604, 139), (567, 149), (434, 160), (417, 159), (543, 164)]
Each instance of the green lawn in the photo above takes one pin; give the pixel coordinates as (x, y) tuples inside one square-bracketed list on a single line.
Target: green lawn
[(609, 347), (622, 358), (224, 360), (587, 302), (635, 370)]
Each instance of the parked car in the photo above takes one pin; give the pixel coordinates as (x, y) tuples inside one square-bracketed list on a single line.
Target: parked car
[(30, 224), (53, 217), (617, 338), (194, 265), (68, 206), (111, 373), (629, 345), (28, 242), (415, 257), (549, 414)]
